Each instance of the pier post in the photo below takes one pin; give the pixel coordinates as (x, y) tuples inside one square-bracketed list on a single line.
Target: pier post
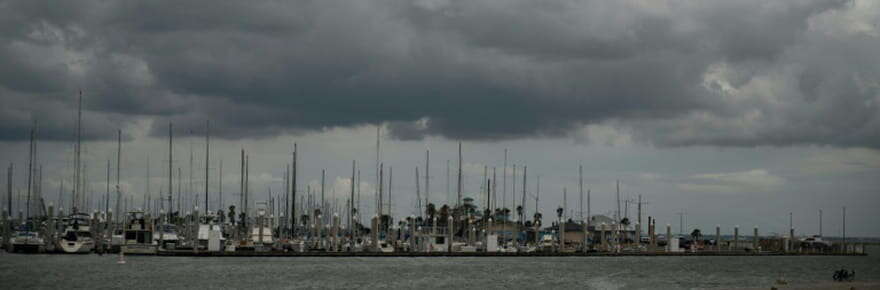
[(93, 226), (755, 240), (374, 232), (736, 237), (260, 229), (718, 238), (586, 240), (7, 229), (450, 226), (195, 223), (50, 231), (791, 242), (4, 222), (161, 245), (561, 234), (108, 226), (335, 231), (470, 232), (319, 221), (411, 224), (669, 238), (638, 235)]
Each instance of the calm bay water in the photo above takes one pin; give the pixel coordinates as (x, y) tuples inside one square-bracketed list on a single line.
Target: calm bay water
[(93, 271)]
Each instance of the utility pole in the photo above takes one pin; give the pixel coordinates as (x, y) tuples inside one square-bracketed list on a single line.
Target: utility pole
[(820, 222)]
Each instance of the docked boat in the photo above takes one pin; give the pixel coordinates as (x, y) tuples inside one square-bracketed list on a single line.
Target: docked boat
[(386, 247), (211, 237), (138, 234), (263, 237), (166, 237), (77, 237), (27, 241), (815, 241)]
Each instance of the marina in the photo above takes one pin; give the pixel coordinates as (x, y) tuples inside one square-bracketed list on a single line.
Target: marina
[(440, 144), (318, 228)]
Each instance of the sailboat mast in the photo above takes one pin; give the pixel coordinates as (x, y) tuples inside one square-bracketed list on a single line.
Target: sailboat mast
[(9, 190), (207, 159), (427, 177), (522, 217), (170, 171), (617, 215), (390, 200), (30, 176), (293, 190), (220, 184), (458, 201), (106, 195), (351, 211), (418, 194), (118, 162), (76, 160), (581, 191)]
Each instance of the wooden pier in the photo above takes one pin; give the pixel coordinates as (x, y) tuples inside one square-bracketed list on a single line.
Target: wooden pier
[(483, 254)]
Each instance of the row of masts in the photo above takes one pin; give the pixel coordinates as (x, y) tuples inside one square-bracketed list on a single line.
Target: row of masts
[(292, 206)]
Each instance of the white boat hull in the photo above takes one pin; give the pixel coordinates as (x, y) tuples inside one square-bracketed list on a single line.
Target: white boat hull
[(77, 247)]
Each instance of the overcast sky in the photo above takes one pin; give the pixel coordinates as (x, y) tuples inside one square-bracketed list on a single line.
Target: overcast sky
[(734, 112)]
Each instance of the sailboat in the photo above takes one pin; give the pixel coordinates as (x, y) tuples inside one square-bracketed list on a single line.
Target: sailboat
[(77, 237)]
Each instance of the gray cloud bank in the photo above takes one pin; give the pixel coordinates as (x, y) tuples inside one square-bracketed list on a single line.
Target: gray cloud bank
[(673, 73)]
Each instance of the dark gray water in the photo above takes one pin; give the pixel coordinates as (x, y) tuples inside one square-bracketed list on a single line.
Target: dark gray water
[(93, 271)]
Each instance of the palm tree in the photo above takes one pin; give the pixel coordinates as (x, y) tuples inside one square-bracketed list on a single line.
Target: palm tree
[(232, 214), (444, 214), (538, 217), (430, 211), (696, 235), (519, 213)]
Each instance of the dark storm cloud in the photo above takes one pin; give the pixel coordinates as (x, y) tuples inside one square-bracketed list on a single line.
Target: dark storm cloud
[(728, 73)]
